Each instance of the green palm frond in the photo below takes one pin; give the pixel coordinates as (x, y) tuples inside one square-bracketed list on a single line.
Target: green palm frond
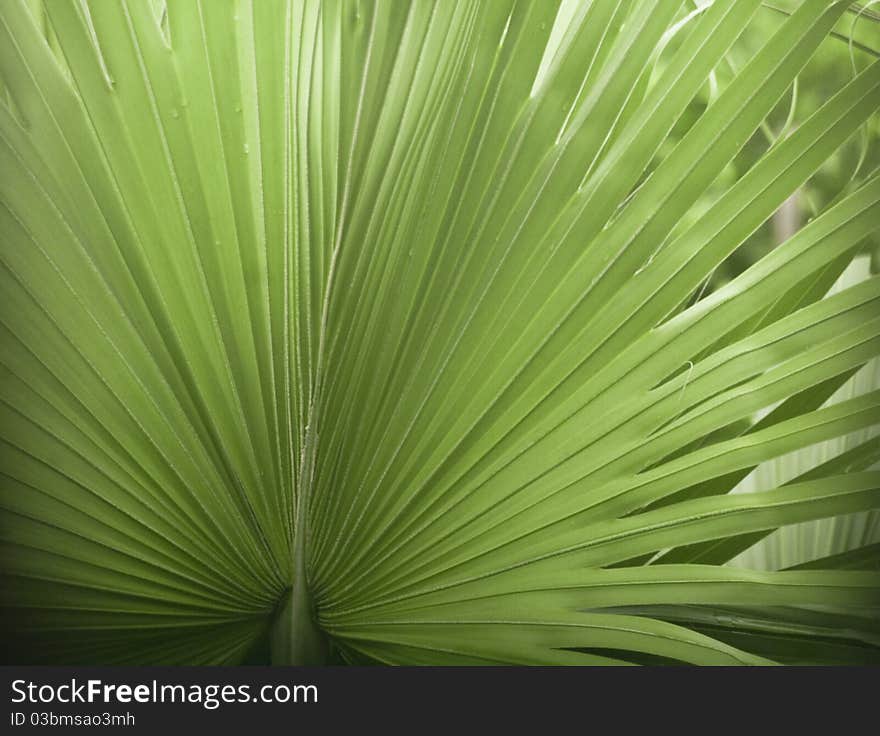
[(383, 331)]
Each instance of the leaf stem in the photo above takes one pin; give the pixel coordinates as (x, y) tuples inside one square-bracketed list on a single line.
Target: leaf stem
[(296, 638)]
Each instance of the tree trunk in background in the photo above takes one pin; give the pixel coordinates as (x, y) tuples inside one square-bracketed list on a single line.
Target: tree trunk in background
[(787, 219)]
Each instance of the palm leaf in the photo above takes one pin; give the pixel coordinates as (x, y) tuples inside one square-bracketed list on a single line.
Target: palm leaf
[(379, 330)]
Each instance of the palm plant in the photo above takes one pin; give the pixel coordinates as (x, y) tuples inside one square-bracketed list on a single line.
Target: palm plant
[(379, 332)]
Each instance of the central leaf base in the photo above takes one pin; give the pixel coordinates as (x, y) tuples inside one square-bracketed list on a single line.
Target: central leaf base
[(295, 637)]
